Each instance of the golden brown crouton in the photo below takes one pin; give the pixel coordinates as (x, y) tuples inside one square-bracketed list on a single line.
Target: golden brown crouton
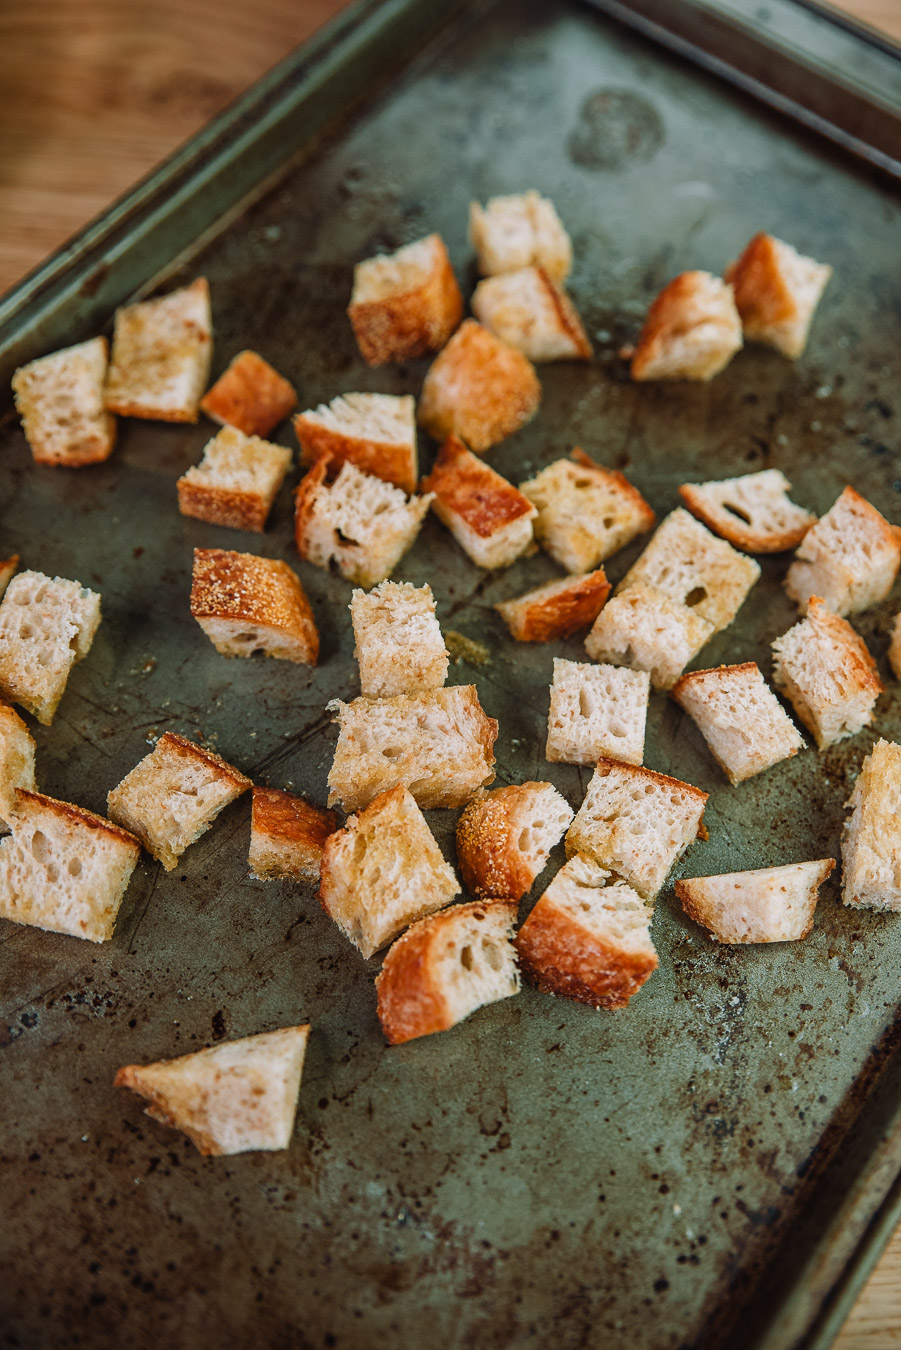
[(405, 303), (489, 518), (692, 330), (250, 395), (479, 389), (247, 604)]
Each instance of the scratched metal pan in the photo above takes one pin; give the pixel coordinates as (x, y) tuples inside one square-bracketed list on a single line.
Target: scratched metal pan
[(714, 1165)]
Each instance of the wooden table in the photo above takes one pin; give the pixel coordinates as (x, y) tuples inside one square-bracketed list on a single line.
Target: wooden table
[(97, 92)]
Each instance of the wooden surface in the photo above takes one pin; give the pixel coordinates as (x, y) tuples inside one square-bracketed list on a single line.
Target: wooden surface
[(97, 92)]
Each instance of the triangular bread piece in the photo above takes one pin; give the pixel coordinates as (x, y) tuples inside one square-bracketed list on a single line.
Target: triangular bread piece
[(771, 904)]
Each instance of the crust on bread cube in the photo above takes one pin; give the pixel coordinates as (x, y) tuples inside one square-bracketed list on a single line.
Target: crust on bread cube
[(60, 400), (399, 645), (505, 837), (777, 290), (8, 569), (360, 523), (161, 356), (521, 230), (377, 432), (753, 512), (849, 558), (237, 1097), (16, 760), (46, 625), (445, 967), (247, 604), (249, 395), (236, 482), (596, 711), (478, 389), (740, 718), (894, 651), (556, 610), (770, 904), (692, 330), (490, 519), (531, 313), (287, 835), (871, 839), (173, 796), (405, 303), (64, 869), (588, 938), (636, 823), (646, 630), (825, 670), (586, 513), (437, 743), (382, 871)]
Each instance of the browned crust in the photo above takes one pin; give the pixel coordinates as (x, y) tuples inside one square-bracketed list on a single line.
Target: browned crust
[(491, 865), (699, 676), (466, 487), (666, 319), (761, 295), (567, 315), (742, 536), (241, 587), (77, 815), (249, 395), (393, 463), (562, 957), (619, 481), (131, 1076), (7, 570), (222, 506), (495, 389), (283, 818), (410, 323), (170, 740), (561, 614), (305, 495)]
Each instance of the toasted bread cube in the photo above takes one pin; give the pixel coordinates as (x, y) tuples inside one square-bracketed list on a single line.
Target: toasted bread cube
[(236, 482), (597, 711), (894, 651), (60, 401), (236, 1097), (692, 331), (530, 312), (64, 869), (360, 523), (647, 630), (16, 761), (586, 513), (752, 512), (588, 938), (377, 432), (505, 837), (740, 718), (777, 290), (637, 823), (46, 625), (444, 968), (478, 389), (849, 558), (249, 395), (398, 640), (173, 796), (556, 610), (770, 904), (438, 744), (7, 571), (520, 231), (871, 840), (489, 518), (287, 836), (826, 671), (405, 303), (161, 357), (383, 870), (246, 604)]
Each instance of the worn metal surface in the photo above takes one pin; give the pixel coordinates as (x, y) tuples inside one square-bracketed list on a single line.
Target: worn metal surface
[(541, 1174)]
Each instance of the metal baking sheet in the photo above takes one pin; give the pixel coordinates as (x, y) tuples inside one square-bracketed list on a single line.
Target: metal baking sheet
[(696, 1170)]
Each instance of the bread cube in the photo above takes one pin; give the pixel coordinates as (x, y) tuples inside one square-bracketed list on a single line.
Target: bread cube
[(478, 389), (752, 512), (505, 837), (173, 796), (771, 904), (646, 630), (556, 610), (236, 482), (444, 968), (597, 711), (636, 823), (382, 871), (46, 625), (7, 572), (692, 330), (894, 651), (377, 432), (246, 604), (437, 743), (249, 395), (520, 231), (60, 400), (237, 1097), (488, 517), (740, 718), (531, 313), (871, 839), (405, 303), (823, 667), (399, 645), (588, 938), (287, 836), (64, 869), (586, 513), (16, 761), (849, 558), (777, 290), (161, 356)]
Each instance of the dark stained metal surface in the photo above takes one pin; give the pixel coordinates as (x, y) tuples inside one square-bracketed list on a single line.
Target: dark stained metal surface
[(542, 1174)]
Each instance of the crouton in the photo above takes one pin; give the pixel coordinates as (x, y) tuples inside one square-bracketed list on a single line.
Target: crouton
[(249, 395), (646, 630), (556, 610), (173, 796), (849, 558), (530, 312), (505, 837), (16, 761), (377, 432), (597, 711), (7, 571), (479, 389), (399, 645), (60, 401), (64, 869), (520, 231), (871, 840), (894, 651), (46, 625), (740, 718), (752, 512), (823, 667), (287, 836), (444, 968), (161, 356), (692, 331), (405, 303), (776, 293), (246, 604), (488, 517), (771, 904), (236, 482)]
